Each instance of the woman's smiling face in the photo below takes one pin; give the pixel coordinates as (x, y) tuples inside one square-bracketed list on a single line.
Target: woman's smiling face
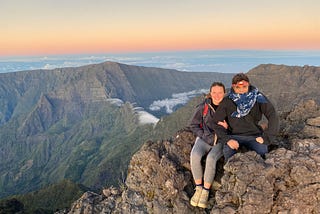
[(217, 94)]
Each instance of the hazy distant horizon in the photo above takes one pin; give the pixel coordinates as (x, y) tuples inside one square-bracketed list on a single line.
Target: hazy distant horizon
[(224, 61)]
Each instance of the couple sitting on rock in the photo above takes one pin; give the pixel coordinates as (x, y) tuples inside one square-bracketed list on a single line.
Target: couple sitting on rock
[(224, 124)]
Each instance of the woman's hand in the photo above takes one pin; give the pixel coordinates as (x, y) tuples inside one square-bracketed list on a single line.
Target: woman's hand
[(223, 123)]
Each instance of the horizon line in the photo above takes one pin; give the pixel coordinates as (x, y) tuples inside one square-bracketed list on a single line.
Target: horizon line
[(155, 52)]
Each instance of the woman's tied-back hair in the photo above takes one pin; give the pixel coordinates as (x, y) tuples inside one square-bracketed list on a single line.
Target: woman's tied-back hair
[(239, 77), (216, 84)]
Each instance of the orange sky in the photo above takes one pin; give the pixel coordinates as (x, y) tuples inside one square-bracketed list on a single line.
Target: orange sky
[(44, 27)]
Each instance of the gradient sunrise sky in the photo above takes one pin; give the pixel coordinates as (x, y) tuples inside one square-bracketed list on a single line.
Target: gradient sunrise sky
[(44, 27)]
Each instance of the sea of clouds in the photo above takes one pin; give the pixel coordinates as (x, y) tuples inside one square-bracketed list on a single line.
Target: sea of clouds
[(175, 100), (225, 61), (144, 117), (168, 104)]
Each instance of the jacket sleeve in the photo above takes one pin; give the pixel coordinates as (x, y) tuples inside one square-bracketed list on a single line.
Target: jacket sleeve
[(273, 122), (220, 115), (196, 120)]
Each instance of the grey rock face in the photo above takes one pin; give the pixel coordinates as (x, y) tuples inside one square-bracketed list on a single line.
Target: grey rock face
[(287, 181), (302, 121), (159, 178), (286, 86)]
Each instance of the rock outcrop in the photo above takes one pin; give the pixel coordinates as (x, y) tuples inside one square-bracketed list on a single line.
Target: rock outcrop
[(287, 85), (286, 181)]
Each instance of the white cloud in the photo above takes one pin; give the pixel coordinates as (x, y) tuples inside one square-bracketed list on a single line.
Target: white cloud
[(177, 99), (178, 66), (48, 66), (143, 116), (147, 118), (115, 101)]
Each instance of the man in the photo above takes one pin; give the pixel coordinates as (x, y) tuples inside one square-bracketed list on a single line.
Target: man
[(243, 109)]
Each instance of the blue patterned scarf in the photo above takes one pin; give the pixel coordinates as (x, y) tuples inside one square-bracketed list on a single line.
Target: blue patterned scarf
[(246, 101)]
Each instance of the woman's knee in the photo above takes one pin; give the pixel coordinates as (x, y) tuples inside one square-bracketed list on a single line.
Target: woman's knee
[(195, 157)]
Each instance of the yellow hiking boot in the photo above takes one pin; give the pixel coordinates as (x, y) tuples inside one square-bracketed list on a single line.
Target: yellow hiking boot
[(203, 201), (196, 196)]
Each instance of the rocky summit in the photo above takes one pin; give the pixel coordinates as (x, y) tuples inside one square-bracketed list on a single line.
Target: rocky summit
[(62, 124), (159, 178)]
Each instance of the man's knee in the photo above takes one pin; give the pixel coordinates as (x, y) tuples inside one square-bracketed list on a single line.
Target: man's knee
[(262, 149)]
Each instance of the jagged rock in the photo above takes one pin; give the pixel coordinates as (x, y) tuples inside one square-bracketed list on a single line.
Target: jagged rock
[(305, 109), (294, 123), (286, 86), (159, 178), (110, 191), (158, 172), (314, 121), (312, 127), (287, 181), (311, 131), (91, 202)]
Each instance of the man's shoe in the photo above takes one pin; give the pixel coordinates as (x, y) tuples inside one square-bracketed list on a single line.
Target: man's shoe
[(196, 196), (203, 201)]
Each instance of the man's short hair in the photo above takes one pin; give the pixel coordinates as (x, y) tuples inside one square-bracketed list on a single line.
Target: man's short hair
[(239, 77)]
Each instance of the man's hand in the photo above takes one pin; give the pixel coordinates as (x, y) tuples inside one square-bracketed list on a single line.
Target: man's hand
[(233, 144), (260, 140), (223, 123)]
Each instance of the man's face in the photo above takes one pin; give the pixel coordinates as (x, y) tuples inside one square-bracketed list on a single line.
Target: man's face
[(241, 87), (217, 94)]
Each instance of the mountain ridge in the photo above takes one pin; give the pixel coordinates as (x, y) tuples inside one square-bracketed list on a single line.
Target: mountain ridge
[(104, 80), (287, 84), (59, 124), (101, 137)]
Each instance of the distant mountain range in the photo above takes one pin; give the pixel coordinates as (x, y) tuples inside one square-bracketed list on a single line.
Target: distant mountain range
[(84, 124), (81, 124)]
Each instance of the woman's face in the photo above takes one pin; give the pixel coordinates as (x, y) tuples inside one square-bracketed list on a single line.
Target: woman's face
[(241, 87), (217, 94)]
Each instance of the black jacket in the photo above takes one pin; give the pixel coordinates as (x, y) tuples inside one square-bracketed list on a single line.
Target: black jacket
[(249, 124), (203, 126)]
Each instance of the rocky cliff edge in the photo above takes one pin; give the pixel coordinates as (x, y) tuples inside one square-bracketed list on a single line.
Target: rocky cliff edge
[(159, 178)]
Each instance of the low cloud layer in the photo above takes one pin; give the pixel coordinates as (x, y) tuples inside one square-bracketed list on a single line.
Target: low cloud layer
[(207, 61), (115, 101), (146, 117), (177, 99), (143, 116)]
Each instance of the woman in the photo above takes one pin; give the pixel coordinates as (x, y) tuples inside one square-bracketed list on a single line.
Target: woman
[(205, 144)]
